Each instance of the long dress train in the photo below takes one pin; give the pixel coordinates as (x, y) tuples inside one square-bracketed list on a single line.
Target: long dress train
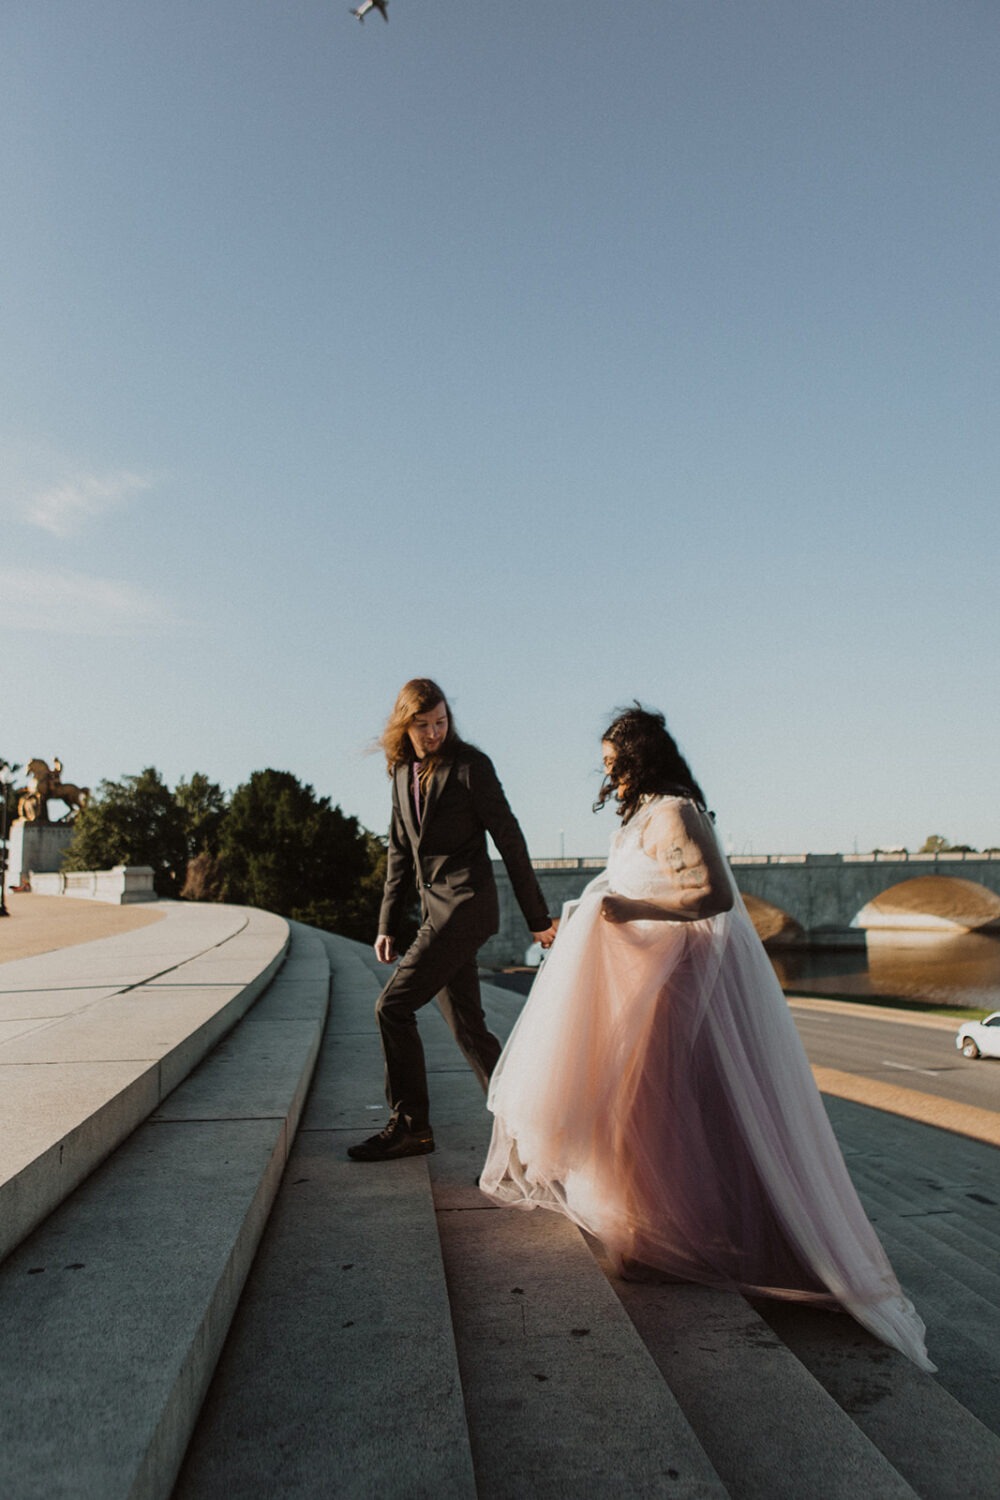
[(655, 1091)]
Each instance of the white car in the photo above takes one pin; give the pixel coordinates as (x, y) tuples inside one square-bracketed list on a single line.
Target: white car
[(980, 1038)]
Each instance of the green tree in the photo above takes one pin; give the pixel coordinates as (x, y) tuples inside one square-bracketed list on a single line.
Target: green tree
[(135, 821), (286, 850), (358, 916), (203, 808), (934, 843)]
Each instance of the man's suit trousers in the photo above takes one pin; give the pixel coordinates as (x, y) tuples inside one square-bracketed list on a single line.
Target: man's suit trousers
[(438, 963)]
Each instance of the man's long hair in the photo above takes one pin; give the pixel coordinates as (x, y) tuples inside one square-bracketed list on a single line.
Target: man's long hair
[(416, 697), (647, 762)]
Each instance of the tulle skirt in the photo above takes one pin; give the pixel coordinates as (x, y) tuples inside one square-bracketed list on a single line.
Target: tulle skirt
[(655, 1091)]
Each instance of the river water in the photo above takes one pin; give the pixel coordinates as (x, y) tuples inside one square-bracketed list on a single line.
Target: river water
[(929, 967)]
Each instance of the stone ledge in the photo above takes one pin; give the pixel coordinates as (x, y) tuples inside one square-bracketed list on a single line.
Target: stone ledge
[(116, 1309), (128, 1018), (121, 886)]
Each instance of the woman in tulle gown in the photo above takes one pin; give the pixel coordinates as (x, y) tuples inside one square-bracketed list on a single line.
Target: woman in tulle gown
[(654, 1089)]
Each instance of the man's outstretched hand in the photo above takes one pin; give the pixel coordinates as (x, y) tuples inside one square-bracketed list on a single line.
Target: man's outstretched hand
[(548, 937)]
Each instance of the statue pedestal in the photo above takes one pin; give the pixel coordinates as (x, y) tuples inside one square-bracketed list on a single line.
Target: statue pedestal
[(35, 846)]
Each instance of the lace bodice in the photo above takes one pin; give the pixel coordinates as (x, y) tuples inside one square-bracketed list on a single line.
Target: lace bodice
[(631, 871)]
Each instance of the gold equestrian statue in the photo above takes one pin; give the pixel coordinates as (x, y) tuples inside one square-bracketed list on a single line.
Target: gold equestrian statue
[(45, 785)]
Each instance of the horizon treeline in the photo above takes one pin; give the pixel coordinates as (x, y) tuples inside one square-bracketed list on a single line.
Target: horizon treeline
[(272, 844)]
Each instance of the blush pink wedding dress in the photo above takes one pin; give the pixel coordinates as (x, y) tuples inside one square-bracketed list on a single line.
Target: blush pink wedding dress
[(655, 1091)]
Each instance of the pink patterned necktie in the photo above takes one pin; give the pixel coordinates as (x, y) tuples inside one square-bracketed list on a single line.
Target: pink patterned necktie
[(416, 792)]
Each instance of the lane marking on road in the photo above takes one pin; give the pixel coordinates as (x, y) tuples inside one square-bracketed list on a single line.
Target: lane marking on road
[(909, 1068)]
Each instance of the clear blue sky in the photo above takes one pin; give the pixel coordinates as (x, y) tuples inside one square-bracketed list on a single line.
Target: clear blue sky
[(565, 351)]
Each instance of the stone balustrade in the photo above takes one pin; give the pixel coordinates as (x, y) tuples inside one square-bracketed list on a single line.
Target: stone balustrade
[(121, 886)]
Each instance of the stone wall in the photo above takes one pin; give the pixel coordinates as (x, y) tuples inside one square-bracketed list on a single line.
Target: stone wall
[(122, 886)]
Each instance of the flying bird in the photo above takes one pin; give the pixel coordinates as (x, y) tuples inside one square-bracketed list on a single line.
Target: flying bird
[(379, 5)]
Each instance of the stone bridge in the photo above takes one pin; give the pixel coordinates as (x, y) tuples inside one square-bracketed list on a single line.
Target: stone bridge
[(828, 899)]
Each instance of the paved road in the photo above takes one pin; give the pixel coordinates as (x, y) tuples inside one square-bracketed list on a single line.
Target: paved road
[(911, 1056)]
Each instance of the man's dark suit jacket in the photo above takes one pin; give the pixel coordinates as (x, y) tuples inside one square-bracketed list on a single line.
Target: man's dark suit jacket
[(446, 853)]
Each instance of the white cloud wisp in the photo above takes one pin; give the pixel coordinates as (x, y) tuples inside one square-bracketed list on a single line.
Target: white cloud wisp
[(62, 602), (63, 509)]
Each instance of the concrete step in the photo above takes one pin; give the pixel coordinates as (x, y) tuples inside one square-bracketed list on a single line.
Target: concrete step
[(934, 1441), (826, 1383), (340, 1377), (560, 1390), (925, 1190), (964, 1328), (399, 1334), (772, 1430), (729, 1397), (561, 1394), (364, 1274), (949, 1208), (926, 1165), (115, 1309), (93, 1037), (940, 1234)]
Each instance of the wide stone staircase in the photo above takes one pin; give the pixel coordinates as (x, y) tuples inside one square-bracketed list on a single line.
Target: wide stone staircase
[(203, 1298)]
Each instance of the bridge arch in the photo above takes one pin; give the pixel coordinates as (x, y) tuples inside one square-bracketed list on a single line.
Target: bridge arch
[(947, 903), (826, 894), (773, 925)]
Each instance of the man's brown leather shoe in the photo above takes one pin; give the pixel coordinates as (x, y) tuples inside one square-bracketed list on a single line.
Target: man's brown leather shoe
[(394, 1141)]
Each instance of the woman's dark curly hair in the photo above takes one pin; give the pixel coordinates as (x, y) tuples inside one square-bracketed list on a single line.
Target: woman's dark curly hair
[(647, 761)]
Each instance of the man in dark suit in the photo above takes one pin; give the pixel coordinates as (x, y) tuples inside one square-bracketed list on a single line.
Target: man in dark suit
[(445, 799)]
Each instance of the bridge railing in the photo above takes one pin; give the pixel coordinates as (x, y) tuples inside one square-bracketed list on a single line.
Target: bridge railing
[(876, 856), (945, 857), (588, 863)]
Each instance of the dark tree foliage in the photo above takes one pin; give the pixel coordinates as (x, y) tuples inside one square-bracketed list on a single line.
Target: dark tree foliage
[(288, 851), (203, 807), (936, 843), (276, 845), (369, 896), (135, 821)]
